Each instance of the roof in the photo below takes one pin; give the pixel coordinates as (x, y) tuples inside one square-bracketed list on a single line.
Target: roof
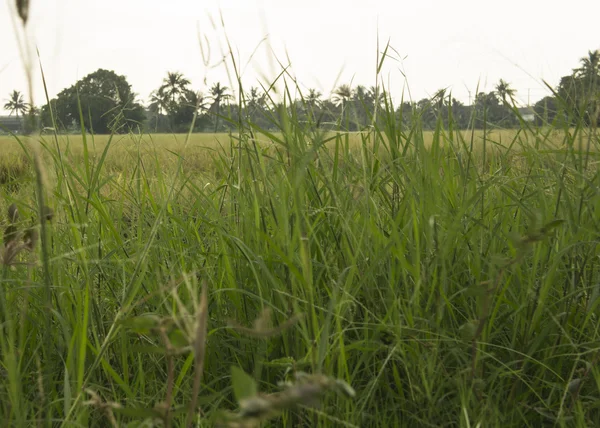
[(11, 123)]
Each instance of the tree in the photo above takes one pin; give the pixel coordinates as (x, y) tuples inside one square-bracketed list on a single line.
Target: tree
[(255, 100), (505, 92), (362, 106), (580, 91), (313, 98), (547, 110), (589, 73), (189, 104), (486, 109), (461, 114), (171, 94), (376, 96), (218, 94), (341, 96), (312, 105), (590, 66), (159, 103), (107, 104), (174, 85), (16, 104), (256, 107)]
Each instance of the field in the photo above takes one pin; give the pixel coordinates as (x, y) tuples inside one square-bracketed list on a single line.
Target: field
[(393, 277)]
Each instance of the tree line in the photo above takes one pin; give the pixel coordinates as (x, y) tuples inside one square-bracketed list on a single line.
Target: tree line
[(104, 102)]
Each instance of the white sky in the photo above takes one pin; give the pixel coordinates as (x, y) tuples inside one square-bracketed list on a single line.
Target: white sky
[(456, 44)]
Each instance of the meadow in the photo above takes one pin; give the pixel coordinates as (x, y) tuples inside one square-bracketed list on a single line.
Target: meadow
[(393, 277)]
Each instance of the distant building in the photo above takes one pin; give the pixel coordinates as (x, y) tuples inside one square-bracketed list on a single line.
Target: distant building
[(527, 113), (12, 123)]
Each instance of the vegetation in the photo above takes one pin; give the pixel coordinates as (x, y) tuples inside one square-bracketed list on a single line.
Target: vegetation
[(108, 105), (391, 277), (16, 104), (102, 102), (448, 277)]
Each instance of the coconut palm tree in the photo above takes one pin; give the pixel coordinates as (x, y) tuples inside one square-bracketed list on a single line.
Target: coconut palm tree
[(159, 103), (16, 104), (255, 99), (218, 94), (174, 85), (313, 101), (360, 93), (504, 91), (589, 76), (342, 95), (590, 66), (313, 98), (196, 100), (377, 95)]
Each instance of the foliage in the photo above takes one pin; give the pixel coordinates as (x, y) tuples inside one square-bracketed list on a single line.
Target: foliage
[(577, 97), (548, 110), (16, 104), (443, 280), (173, 104), (107, 105), (219, 94), (452, 281)]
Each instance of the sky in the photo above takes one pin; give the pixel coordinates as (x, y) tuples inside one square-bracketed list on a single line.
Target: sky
[(460, 45)]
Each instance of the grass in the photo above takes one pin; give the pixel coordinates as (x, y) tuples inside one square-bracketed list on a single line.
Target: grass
[(202, 148), (430, 279)]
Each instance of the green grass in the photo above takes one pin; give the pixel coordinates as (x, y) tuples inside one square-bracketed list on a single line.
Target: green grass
[(426, 270)]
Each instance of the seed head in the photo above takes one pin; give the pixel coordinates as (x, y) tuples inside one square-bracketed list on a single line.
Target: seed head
[(30, 238), (23, 10), (13, 213)]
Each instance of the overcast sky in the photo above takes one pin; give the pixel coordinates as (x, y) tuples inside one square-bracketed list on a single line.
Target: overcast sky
[(455, 44)]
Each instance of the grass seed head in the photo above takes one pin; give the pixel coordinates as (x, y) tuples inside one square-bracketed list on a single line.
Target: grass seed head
[(13, 213), (23, 10), (30, 238)]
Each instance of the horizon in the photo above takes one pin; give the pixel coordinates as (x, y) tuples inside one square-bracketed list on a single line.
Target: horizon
[(144, 43)]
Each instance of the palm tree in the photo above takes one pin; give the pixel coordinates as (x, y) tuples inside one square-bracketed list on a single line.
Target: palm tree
[(590, 66), (589, 75), (159, 102), (363, 105), (16, 104), (504, 91), (313, 98), (312, 102), (342, 95), (256, 103), (255, 99), (174, 85), (218, 94), (360, 93), (196, 100), (377, 95)]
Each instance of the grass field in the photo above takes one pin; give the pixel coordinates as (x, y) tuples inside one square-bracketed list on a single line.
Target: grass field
[(393, 277), (201, 148)]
